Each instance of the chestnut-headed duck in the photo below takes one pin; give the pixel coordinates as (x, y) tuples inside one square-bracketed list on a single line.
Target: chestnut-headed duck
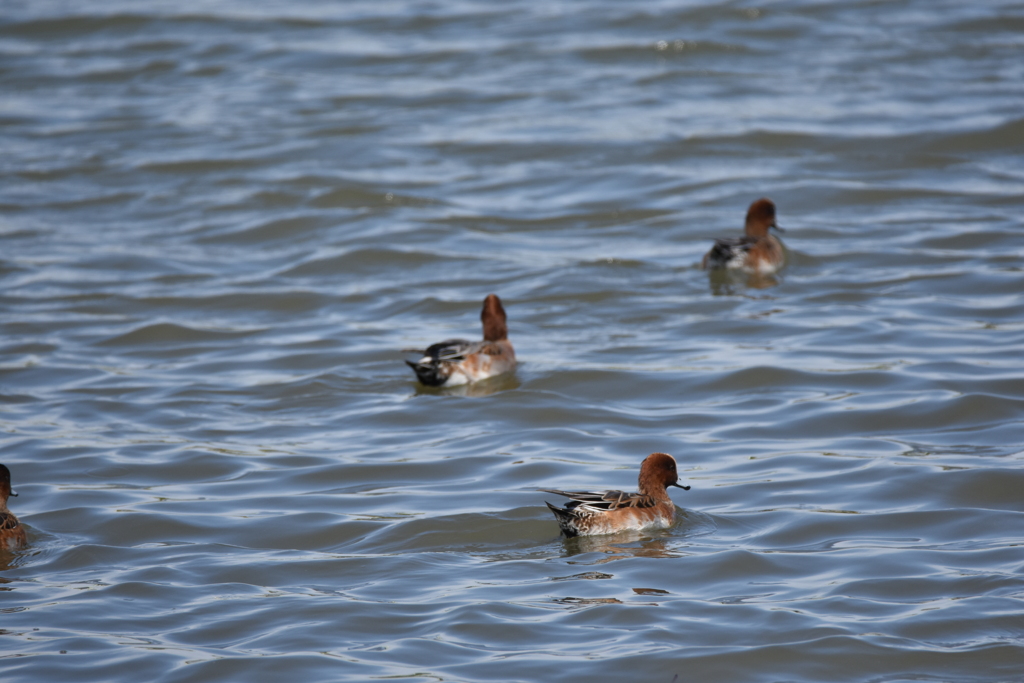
[(757, 251), (604, 512), (12, 533), (457, 361)]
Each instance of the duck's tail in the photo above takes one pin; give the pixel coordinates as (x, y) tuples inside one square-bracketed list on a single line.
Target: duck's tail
[(430, 374), (565, 520)]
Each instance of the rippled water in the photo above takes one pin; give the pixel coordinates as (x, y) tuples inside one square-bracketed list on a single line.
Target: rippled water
[(221, 222)]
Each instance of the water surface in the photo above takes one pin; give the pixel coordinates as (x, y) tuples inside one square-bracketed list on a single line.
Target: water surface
[(220, 224)]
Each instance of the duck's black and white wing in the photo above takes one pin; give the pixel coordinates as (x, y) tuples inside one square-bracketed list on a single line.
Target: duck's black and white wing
[(603, 501), (438, 360), (728, 252)]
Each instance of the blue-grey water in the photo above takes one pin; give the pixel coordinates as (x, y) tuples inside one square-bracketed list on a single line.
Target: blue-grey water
[(221, 223)]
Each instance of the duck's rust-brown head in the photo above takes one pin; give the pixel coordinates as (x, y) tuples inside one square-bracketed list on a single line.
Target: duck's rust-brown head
[(761, 218), (658, 471), (493, 318), (5, 485)]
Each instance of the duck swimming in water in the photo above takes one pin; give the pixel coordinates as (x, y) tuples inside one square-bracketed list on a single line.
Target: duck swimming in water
[(12, 533), (757, 251), (589, 513), (458, 361)]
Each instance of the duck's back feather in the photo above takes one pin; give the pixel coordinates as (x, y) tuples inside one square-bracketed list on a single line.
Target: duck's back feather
[(440, 359), (729, 252), (604, 501)]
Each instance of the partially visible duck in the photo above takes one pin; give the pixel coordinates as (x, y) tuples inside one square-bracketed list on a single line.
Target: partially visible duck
[(12, 533), (589, 513), (757, 251), (457, 361)]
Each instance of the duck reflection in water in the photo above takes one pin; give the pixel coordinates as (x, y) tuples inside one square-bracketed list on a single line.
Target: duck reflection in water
[(729, 282), (620, 546)]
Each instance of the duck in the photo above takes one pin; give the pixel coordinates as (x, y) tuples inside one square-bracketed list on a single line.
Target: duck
[(757, 251), (590, 513), (457, 361), (12, 533)]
